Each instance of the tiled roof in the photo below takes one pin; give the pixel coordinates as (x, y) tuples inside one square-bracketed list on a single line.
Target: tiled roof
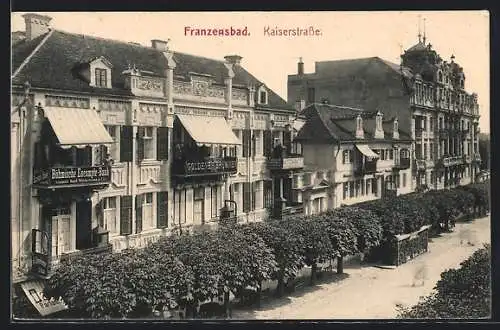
[(327, 123), (52, 65), (350, 67)]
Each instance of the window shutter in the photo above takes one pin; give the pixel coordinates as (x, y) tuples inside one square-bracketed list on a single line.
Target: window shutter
[(162, 143), (162, 209), (125, 215), (247, 140), (246, 196), (138, 213), (126, 144), (268, 143), (140, 144), (287, 141)]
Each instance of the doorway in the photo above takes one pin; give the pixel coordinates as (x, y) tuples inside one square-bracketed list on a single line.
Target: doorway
[(83, 225)]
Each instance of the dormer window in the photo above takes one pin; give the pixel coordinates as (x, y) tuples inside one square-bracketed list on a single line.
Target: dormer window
[(359, 127), (395, 129), (101, 78), (263, 97), (379, 131), (100, 72)]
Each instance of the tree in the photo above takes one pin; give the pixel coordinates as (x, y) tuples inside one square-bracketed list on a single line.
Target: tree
[(460, 293), (342, 234), (128, 283), (287, 249), (314, 232)]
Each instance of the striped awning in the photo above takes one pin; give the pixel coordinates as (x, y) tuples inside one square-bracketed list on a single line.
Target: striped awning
[(208, 130), (77, 127), (366, 151)]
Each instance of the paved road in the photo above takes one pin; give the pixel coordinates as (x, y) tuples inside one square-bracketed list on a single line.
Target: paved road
[(372, 292)]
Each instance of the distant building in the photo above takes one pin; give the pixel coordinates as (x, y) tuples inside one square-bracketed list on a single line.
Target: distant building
[(350, 156), (425, 93)]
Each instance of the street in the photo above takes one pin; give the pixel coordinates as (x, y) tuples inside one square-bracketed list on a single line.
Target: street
[(371, 292)]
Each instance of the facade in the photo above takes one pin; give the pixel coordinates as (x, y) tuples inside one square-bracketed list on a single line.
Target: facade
[(350, 156), (425, 93), (115, 144)]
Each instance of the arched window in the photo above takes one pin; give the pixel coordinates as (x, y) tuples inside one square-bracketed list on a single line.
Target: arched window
[(396, 125), (440, 76), (359, 123)]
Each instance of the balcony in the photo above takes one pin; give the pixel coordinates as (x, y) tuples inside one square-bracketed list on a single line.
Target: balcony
[(59, 176), (402, 164), (452, 160), (420, 164), (369, 167), (287, 162), (206, 166)]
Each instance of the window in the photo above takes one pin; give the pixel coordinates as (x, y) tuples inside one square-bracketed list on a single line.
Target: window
[(358, 188), (149, 150), (391, 154), (263, 97), (247, 195), (198, 205), (214, 202), (351, 189), (180, 206), (425, 151), (255, 186), (114, 148), (162, 209), (110, 217), (404, 180), (374, 186), (382, 154), (359, 123), (101, 76), (362, 187), (368, 186), (345, 190), (147, 211), (379, 122), (396, 126), (346, 157), (440, 76)]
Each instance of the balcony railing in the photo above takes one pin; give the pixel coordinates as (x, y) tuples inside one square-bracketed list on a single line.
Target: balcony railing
[(452, 160), (420, 164), (366, 168), (288, 162), (207, 166), (58, 176), (402, 163)]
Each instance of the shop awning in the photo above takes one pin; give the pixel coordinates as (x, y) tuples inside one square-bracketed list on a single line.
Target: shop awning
[(366, 151), (77, 127), (209, 130), (34, 293)]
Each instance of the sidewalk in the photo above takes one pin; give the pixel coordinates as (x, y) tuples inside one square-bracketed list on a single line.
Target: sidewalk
[(374, 292)]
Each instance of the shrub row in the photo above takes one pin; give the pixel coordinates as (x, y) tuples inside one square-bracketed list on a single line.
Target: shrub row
[(186, 270)]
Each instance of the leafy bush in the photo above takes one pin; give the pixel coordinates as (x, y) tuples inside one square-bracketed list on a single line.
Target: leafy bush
[(463, 293)]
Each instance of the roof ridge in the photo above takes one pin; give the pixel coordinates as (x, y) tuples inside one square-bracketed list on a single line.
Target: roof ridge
[(132, 43), (324, 123), (343, 107), (28, 58)]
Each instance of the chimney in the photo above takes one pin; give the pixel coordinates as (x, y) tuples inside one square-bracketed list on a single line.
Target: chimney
[(300, 67), (161, 45), (233, 59), (36, 25)]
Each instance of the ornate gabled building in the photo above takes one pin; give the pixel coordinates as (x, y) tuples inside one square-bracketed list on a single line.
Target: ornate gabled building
[(115, 144), (350, 156), (425, 93)]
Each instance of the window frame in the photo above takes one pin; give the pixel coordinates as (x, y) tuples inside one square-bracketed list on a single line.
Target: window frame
[(101, 77)]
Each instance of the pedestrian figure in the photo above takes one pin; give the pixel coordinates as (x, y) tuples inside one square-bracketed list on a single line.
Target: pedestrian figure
[(420, 275)]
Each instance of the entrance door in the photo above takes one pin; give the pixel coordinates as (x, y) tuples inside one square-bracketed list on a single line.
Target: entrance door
[(57, 226), (83, 225)]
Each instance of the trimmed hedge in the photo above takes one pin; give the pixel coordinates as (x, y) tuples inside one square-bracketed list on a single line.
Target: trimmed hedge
[(188, 270)]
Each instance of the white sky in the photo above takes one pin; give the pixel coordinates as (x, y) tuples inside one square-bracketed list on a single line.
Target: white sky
[(344, 35)]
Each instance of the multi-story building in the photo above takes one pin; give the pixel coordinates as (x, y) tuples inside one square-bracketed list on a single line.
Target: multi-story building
[(350, 156), (115, 144), (425, 93)]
